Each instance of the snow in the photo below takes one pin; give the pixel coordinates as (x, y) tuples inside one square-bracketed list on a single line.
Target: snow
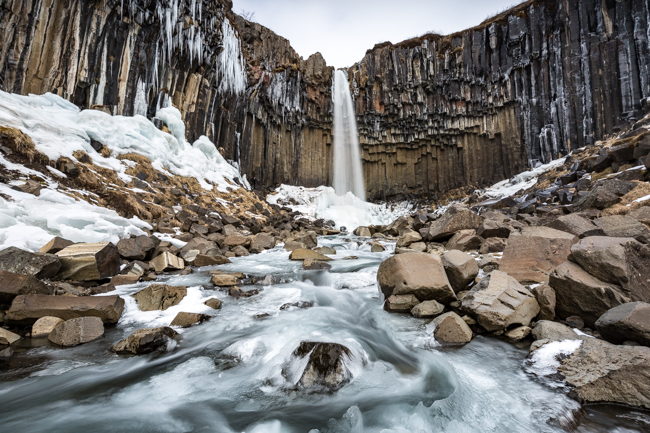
[(645, 198), (58, 128), (546, 360), (521, 181)]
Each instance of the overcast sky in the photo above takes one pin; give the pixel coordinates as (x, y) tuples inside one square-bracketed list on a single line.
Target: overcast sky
[(342, 30)]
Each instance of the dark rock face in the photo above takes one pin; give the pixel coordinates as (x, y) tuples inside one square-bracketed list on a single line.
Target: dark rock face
[(37, 265), (434, 112), (627, 322), (27, 309), (12, 285), (144, 341), (326, 368)]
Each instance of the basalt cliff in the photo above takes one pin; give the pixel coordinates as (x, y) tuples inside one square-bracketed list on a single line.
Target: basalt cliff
[(434, 113)]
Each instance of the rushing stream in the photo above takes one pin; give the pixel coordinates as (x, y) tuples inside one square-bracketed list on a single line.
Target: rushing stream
[(226, 375)]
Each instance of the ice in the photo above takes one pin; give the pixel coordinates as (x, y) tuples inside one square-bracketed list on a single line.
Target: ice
[(545, 360), (521, 181), (231, 69)]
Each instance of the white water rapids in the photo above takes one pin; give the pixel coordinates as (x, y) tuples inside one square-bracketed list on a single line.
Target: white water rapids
[(225, 375)]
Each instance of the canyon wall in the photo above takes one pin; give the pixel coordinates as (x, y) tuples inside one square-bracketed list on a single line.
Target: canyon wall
[(434, 112)]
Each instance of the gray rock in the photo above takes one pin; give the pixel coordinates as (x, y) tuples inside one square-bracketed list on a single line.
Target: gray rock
[(27, 309), (186, 320), (624, 226), (137, 248), (627, 322), (427, 309), (325, 369), (9, 336), (641, 214), (461, 269), (546, 299), (213, 303), (400, 303), (493, 245), (452, 329), (553, 331), (12, 285), (77, 331), (159, 297), (491, 228), (465, 240), (38, 265), (44, 326), (576, 225), (145, 341), (456, 218)]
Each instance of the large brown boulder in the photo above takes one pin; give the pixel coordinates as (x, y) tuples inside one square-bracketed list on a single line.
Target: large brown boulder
[(451, 329), (145, 341), (461, 269), (159, 297), (580, 294), (12, 285), (465, 240), (621, 261), (37, 265), (499, 301), (77, 331), (27, 309), (89, 262), (531, 256), (627, 322), (576, 225), (235, 239), (456, 218), (419, 274), (137, 248), (201, 260), (325, 369)]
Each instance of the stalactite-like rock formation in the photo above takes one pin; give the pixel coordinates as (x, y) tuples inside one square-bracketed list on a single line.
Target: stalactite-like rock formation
[(434, 113)]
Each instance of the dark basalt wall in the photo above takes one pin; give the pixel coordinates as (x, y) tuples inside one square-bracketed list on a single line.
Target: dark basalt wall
[(434, 113)]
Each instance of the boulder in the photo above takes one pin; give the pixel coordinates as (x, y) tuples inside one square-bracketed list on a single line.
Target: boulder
[(202, 260), (400, 303), (624, 226), (621, 261), (137, 248), (77, 331), (145, 341), (185, 320), (518, 333), (235, 239), (6, 354), (627, 322), (325, 369), (202, 245), (427, 309), (159, 297), (89, 262), (55, 245), (213, 303), (303, 254), (531, 256), (601, 372), (499, 302), (12, 285), (545, 296), (224, 280), (362, 232), (326, 250), (261, 242), (553, 331), (27, 309), (407, 237), (605, 193), (376, 247), (309, 239), (9, 336), (419, 274), (641, 214), (578, 293), (240, 251), (451, 329), (576, 225), (38, 265), (456, 218), (491, 228), (121, 280), (465, 240), (493, 245), (167, 262), (44, 326), (311, 264), (461, 269), (401, 223), (293, 245)]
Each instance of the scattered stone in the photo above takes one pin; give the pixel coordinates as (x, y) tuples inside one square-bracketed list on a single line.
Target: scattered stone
[(303, 254), (461, 269), (240, 251), (465, 240), (89, 262), (325, 369), (268, 280), (159, 297), (493, 245), (376, 247), (36, 265), (12, 285), (576, 225), (545, 296), (309, 239), (9, 336), (427, 309), (362, 232), (77, 331), (326, 250), (531, 256), (26, 309), (499, 302), (351, 258), (261, 242), (407, 237), (235, 239), (202, 260), (224, 280), (452, 329), (456, 218), (518, 333), (186, 320), (400, 303), (213, 303), (137, 248), (44, 326), (167, 262), (145, 341), (311, 264), (641, 214), (627, 322), (419, 274), (55, 245)]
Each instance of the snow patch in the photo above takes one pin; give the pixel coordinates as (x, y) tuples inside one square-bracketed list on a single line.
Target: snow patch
[(546, 360)]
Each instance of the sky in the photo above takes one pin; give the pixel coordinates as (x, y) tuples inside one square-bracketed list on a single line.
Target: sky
[(342, 30)]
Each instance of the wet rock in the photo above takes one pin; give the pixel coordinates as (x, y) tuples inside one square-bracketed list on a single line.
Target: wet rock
[(26, 309), (377, 248), (452, 329), (325, 368), (419, 274), (455, 219), (576, 225), (309, 239), (186, 320), (546, 299), (624, 226), (89, 262), (311, 264), (293, 245), (518, 333), (201, 260), (44, 326), (577, 292), (121, 280), (326, 250), (627, 322), (301, 305), (531, 256), (55, 245), (493, 245), (261, 242), (408, 237), (137, 248), (224, 280), (213, 303), (9, 336), (6, 354), (77, 331), (400, 303), (36, 265), (167, 262), (401, 223), (499, 302), (303, 254), (465, 240), (159, 297), (427, 309), (12, 285), (461, 269), (145, 341), (362, 232)]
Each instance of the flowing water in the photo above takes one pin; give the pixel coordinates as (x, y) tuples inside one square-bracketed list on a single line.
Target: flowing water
[(226, 375)]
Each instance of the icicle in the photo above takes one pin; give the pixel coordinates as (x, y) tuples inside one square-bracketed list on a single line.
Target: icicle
[(230, 62)]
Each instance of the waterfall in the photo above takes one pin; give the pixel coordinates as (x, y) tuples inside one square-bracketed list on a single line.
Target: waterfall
[(348, 170)]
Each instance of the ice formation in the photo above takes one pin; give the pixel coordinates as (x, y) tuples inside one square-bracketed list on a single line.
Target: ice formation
[(545, 360), (521, 181)]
